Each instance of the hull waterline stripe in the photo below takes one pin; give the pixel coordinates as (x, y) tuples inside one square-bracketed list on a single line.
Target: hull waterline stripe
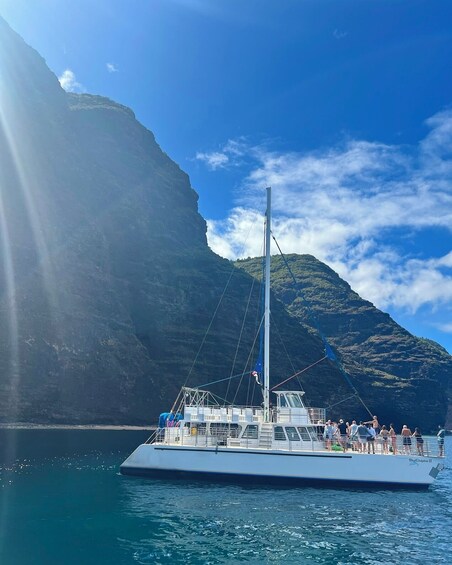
[(229, 451), (170, 474)]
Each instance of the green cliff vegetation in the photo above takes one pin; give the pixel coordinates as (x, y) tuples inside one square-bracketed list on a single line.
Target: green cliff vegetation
[(400, 377)]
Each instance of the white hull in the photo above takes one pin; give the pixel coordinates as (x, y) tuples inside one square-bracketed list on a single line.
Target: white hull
[(283, 465)]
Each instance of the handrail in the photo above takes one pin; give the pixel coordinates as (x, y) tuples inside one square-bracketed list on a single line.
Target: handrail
[(266, 440)]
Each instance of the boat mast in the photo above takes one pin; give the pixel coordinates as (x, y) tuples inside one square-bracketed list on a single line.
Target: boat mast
[(267, 310)]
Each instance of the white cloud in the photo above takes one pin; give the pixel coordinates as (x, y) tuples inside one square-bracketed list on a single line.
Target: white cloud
[(230, 155), (341, 204), (111, 68), (447, 328), (214, 160), (338, 34), (244, 234), (406, 284), (69, 82)]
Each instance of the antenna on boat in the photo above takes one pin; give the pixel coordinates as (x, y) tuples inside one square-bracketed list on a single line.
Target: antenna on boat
[(267, 309)]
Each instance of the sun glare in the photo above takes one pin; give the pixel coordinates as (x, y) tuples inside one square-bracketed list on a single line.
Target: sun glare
[(19, 188)]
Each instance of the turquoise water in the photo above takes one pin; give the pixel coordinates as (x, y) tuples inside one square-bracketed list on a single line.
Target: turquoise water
[(62, 501)]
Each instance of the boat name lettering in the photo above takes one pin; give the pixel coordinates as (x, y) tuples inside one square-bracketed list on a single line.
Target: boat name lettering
[(418, 460)]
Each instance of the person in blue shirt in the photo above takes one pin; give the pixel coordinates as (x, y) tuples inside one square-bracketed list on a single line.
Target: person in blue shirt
[(363, 434), (371, 439)]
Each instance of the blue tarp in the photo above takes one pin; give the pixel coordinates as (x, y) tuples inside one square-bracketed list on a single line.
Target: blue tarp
[(169, 419)]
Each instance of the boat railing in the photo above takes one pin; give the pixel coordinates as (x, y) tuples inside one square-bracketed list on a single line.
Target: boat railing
[(153, 436), (317, 415), (236, 413), (304, 415), (231, 414), (202, 437)]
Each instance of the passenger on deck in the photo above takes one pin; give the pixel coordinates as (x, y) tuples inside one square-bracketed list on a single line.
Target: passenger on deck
[(353, 433), (406, 439), (342, 429), (336, 434), (440, 436), (374, 423), (371, 439), (419, 441), (328, 434), (363, 434), (393, 436), (384, 435), (347, 431)]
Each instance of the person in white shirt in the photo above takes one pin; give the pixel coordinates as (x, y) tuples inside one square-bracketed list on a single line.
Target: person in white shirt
[(353, 434), (328, 434)]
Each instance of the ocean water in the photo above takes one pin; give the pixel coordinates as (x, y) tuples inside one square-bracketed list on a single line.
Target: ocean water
[(62, 501)]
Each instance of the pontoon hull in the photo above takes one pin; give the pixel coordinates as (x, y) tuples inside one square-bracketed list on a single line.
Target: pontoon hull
[(261, 465)]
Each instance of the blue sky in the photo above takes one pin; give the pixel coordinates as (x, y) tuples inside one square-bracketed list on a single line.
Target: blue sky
[(344, 107)]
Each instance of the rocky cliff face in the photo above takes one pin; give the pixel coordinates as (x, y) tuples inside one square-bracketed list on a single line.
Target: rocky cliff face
[(107, 284)]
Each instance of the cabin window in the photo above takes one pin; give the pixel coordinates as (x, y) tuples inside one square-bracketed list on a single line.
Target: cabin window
[(250, 432), (279, 433), (282, 401), (304, 432), (223, 429), (294, 401), (292, 434)]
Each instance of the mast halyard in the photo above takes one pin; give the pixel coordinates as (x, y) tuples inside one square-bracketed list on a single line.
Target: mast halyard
[(267, 310), (197, 440)]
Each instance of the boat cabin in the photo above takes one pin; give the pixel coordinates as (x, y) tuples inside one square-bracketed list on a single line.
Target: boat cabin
[(204, 421)]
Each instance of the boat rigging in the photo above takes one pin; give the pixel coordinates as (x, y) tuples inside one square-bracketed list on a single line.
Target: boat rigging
[(205, 436)]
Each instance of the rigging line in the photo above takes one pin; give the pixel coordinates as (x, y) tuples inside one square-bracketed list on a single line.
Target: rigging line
[(259, 312), (340, 401), (261, 308), (175, 402), (296, 283), (249, 357), (241, 333), (222, 380), (210, 323), (252, 394), (258, 363), (299, 373), (363, 403), (217, 308), (248, 360), (248, 392), (251, 385), (220, 398), (329, 352), (274, 325)]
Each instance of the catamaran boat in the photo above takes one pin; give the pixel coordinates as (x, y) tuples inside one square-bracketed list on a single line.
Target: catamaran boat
[(204, 438)]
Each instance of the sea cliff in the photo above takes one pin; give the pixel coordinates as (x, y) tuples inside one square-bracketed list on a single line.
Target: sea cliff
[(107, 284)]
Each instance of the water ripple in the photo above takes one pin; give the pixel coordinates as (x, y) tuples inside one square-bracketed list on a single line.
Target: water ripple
[(74, 505)]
